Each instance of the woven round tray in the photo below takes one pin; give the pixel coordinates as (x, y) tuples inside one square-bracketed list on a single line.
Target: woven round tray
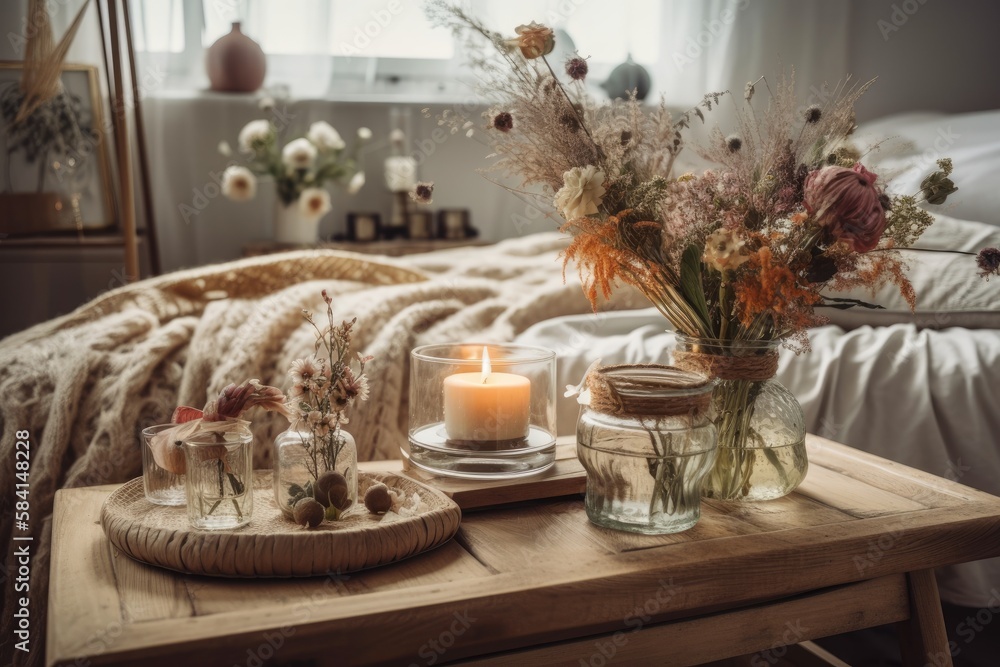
[(273, 546)]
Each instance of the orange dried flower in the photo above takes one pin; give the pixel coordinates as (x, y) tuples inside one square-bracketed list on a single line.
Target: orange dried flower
[(771, 287), (604, 257), (874, 270)]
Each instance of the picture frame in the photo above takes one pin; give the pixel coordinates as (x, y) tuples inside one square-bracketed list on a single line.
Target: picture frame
[(74, 192), (364, 227), (454, 224)]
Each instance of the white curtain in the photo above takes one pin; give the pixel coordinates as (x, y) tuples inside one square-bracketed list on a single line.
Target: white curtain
[(715, 45)]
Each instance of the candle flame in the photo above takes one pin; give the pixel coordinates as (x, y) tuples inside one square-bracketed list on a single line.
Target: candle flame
[(487, 368)]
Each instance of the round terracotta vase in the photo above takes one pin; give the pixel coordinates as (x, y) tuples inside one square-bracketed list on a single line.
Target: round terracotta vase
[(235, 63)]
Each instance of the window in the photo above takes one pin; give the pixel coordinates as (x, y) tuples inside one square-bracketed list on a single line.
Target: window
[(374, 46), (606, 32)]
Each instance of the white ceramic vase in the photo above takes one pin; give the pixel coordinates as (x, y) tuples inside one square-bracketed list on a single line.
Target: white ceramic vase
[(291, 226)]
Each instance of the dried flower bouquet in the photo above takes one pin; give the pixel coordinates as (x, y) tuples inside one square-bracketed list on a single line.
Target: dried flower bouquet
[(745, 252)]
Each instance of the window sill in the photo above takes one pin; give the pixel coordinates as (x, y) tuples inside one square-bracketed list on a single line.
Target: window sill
[(349, 92)]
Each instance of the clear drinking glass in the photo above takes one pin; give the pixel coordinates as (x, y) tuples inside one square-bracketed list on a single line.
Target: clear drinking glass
[(645, 471), (219, 479), (161, 485)]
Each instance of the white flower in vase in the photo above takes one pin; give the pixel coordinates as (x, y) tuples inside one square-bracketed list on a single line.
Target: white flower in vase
[(325, 137), (298, 154), (314, 203), (581, 193), (364, 134), (239, 183), (357, 182), (255, 134)]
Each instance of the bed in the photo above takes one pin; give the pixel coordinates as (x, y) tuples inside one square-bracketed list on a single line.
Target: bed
[(922, 389)]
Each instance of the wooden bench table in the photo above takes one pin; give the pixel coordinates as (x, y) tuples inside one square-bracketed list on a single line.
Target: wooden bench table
[(537, 584)]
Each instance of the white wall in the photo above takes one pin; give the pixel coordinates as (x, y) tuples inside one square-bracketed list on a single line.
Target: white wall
[(929, 55), (197, 225)]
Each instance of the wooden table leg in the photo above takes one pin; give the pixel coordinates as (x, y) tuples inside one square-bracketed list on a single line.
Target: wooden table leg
[(923, 639)]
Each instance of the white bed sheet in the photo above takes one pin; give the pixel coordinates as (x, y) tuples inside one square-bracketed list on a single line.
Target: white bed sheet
[(927, 399)]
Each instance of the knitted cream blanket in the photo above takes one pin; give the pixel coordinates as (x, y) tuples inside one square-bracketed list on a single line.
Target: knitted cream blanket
[(84, 385)]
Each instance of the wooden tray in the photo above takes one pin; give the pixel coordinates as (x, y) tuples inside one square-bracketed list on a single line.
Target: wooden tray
[(273, 546), (565, 478)]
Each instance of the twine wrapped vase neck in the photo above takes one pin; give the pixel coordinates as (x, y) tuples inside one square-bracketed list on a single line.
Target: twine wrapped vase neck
[(655, 390), (754, 368)]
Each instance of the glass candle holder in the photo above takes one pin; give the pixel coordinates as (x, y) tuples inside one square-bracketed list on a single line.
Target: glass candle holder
[(219, 479), (647, 442), (482, 411), (161, 485)]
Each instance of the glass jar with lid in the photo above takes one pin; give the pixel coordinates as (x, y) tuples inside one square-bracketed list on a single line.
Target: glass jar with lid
[(647, 441)]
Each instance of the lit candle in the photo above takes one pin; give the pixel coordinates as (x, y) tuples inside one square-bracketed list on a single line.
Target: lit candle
[(486, 406)]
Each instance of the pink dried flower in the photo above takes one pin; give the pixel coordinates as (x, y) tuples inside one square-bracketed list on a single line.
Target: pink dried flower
[(577, 68), (232, 403), (235, 400), (847, 203), (988, 260)]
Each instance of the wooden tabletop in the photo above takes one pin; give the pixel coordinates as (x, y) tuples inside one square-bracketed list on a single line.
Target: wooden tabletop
[(523, 575)]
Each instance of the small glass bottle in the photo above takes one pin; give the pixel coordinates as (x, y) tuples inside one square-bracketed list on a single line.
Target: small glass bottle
[(301, 458), (219, 479), (647, 442)]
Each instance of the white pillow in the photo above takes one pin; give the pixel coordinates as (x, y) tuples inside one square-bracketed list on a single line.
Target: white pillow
[(916, 140), (950, 292)]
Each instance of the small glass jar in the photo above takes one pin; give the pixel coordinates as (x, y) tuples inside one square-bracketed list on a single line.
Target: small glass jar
[(219, 479), (301, 458), (160, 483), (647, 452), (762, 449)]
